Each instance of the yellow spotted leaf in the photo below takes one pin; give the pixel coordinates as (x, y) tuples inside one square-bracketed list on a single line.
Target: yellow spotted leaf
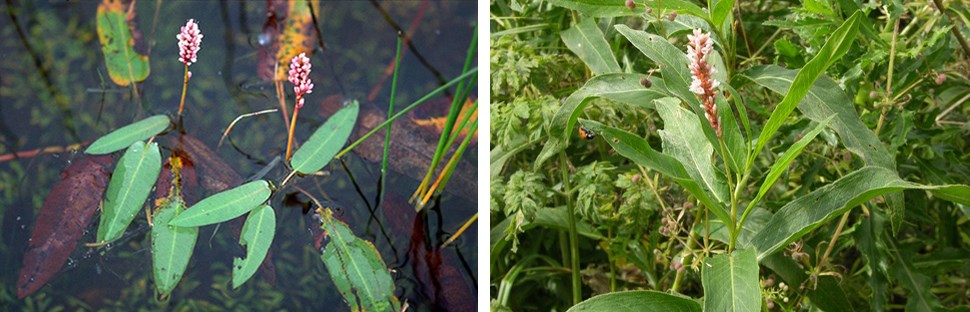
[(298, 35), (114, 23)]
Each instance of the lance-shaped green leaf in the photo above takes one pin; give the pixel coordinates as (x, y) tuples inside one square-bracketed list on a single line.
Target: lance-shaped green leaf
[(597, 8), (225, 205), (731, 282), (125, 66), (836, 46), (826, 99), (639, 151), (128, 189), (257, 236), (637, 301), (587, 41), (684, 139), (671, 60), (720, 11), (781, 165), (324, 144), (624, 88), (808, 212), (680, 6), (172, 246), (920, 297), (124, 136), (356, 268)]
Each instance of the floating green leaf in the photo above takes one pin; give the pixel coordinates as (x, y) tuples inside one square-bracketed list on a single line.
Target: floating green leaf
[(257, 236), (637, 301), (808, 212), (326, 141), (172, 246), (731, 282), (356, 268), (624, 88), (128, 189), (124, 136), (114, 31), (225, 206), (587, 41)]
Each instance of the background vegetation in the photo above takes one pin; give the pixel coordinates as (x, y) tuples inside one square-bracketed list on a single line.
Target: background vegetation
[(905, 73)]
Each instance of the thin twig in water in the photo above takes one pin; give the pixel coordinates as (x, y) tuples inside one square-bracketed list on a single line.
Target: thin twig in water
[(460, 230), (233, 123)]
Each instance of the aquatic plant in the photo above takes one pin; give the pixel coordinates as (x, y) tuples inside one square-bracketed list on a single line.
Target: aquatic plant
[(190, 40), (719, 179), (158, 155), (299, 76)]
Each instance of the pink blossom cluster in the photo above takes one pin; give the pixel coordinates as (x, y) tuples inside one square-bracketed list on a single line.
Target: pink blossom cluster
[(299, 76), (702, 80), (190, 38)]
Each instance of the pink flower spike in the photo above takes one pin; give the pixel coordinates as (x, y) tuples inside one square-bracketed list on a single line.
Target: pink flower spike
[(299, 76), (190, 38), (702, 76)]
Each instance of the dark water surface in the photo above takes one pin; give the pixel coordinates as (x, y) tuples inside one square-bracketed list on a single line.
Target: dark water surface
[(55, 92)]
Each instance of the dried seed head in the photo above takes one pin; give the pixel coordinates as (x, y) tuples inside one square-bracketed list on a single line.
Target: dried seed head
[(645, 82)]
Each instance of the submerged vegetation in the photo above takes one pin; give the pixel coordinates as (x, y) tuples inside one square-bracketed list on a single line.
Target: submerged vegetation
[(729, 155)]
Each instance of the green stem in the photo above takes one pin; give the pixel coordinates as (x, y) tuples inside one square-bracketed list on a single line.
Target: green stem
[(405, 110), (734, 207), (185, 84), (573, 237), (390, 112)]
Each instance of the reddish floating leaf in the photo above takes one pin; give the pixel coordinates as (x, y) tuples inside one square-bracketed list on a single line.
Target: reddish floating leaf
[(67, 211)]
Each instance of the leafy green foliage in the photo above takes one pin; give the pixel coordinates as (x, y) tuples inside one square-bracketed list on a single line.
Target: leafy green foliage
[(586, 40), (257, 236), (356, 268), (225, 205), (731, 282), (774, 200), (646, 301), (125, 136), (804, 214), (128, 189), (326, 141), (172, 246)]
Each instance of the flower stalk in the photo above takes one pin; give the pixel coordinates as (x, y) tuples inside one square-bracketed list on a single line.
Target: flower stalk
[(299, 76), (190, 40)]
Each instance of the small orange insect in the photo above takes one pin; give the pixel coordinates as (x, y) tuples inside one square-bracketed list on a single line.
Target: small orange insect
[(586, 134)]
